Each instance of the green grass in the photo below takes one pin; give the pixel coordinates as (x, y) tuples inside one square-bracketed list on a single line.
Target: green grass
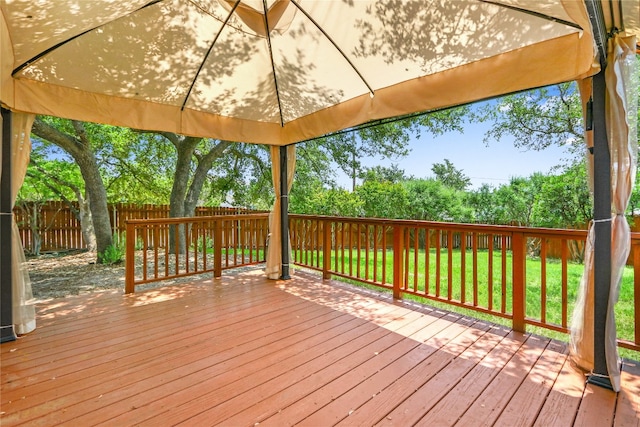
[(533, 278)]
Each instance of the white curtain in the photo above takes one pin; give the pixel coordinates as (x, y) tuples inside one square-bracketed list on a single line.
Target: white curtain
[(24, 316), (621, 118), (274, 252)]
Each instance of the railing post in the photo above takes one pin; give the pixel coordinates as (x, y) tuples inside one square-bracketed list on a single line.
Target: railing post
[(130, 264), (217, 249), (326, 249), (636, 291), (518, 281), (398, 260)]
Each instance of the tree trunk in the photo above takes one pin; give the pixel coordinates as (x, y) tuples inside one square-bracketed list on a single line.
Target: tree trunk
[(34, 226), (186, 188), (86, 225), (200, 175), (185, 148), (97, 199), (80, 149)]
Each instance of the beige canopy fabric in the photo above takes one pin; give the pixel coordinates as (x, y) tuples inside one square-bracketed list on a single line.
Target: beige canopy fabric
[(207, 67), (274, 250), (622, 101)]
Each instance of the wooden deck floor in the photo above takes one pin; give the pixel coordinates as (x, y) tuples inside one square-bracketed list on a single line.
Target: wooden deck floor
[(245, 351)]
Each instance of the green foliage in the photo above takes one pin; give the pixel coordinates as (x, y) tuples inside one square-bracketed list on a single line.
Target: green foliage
[(556, 200), (516, 201), (483, 204), (389, 139), (383, 199), (133, 166), (564, 200), (334, 202), (140, 168), (450, 176), (113, 254), (537, 118), (203, 242), (241, 177), (432, 200), (38, 185), (392, 174), (634, 202)]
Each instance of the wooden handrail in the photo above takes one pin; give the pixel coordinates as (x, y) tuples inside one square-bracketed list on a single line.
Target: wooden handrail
[(192, 219), (234, 240), (484, 228)]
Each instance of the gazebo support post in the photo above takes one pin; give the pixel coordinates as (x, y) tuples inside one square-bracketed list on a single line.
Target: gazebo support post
[(284, 213), (6, 217), (602, 231), (601, 201)]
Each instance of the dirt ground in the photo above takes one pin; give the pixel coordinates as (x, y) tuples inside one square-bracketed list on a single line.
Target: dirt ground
[(57, 275)]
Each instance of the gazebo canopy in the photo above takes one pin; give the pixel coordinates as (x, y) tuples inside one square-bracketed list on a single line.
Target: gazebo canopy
[(283, 71)]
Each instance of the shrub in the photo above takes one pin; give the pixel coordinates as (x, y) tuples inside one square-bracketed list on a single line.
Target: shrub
[(113, 254)]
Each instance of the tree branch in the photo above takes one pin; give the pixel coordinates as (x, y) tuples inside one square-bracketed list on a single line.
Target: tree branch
[(53, 135), (60, 181)]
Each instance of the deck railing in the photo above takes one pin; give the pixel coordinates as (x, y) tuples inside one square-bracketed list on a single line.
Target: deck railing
[(527, 275), (169, 248)]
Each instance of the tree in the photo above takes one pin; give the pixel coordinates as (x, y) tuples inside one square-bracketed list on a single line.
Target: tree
[(47, 180), (431, 200), (383, 199), (51, 176), (391, 174), (333, 202), (564, 199), (516, 201), (484, 205), (77, 139), (538, 118), (138, 168), (386, 139), (195, 157), (450, 176)]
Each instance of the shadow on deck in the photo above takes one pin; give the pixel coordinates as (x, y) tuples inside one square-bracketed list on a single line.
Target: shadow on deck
[(243, 350)]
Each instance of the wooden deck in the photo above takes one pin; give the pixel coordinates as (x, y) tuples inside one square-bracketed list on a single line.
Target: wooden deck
[(243, 351)]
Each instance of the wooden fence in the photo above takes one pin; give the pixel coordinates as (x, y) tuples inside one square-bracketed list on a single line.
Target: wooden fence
[(59, 229)]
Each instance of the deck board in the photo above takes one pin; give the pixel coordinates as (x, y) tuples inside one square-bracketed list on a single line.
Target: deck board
[(413, 395), (628, 404), (525, 404), (243, 350)]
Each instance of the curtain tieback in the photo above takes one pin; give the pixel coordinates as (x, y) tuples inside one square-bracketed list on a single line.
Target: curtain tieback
[(603, 220)]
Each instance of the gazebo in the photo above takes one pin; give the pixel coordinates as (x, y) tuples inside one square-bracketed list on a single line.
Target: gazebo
[(279, 72)]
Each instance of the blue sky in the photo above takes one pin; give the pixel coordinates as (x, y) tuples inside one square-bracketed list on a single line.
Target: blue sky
[(494, 164)]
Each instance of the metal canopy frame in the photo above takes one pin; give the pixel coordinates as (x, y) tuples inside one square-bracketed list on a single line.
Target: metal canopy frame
[(601, 202), (7, 332), (284, 213)]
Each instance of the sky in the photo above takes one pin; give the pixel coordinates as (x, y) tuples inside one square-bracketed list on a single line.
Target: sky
[(494, 164)]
